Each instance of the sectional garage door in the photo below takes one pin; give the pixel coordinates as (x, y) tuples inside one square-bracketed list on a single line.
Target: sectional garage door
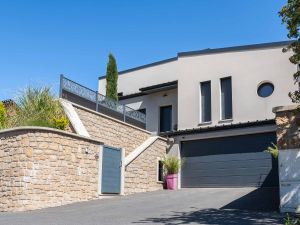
[(238, 161)]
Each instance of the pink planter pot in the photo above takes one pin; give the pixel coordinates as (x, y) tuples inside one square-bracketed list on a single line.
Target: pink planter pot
[(172, 181)]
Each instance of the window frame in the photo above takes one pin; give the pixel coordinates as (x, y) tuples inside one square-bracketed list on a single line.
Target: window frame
[(201, 121), (158, 160), (220, 96)]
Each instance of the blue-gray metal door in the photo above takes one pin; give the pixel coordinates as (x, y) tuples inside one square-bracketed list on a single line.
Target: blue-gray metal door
[(111, 170)]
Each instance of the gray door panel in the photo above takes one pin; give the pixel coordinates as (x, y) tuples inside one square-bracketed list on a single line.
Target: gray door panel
[(111, 170), (241, 169)]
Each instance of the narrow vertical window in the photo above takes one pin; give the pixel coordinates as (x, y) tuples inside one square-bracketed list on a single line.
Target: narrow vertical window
[(205, 90), (226, 98), (160, 171)]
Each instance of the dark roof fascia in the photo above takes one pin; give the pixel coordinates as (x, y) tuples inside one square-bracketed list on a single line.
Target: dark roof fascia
[(159, 87), (235, 48), (134, 95), (220, 128), (143, 66)]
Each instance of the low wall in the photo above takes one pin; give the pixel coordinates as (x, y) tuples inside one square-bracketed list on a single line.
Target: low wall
[(288, 142), (42, 167)]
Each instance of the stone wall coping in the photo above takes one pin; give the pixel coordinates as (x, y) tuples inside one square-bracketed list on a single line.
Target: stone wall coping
[(285, 108), (49, 130)]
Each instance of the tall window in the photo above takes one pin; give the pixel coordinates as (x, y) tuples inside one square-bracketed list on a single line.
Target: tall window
[(165, 118), (205, 90), (226, 98), (160, 171)]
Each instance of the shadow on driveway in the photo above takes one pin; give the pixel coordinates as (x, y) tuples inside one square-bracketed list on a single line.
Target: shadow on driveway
[(255, 208), (216, 216)]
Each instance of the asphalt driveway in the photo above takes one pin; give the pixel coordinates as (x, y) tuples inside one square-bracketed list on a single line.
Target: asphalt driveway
[(186, 206)]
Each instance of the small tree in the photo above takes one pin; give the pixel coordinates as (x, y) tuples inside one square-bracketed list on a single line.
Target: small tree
[(112, 78), (290, 15)]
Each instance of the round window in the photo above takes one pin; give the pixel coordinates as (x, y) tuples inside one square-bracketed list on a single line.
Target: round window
[(265, 89)]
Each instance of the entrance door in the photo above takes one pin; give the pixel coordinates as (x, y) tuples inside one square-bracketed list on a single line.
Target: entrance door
[(165, 118), (111, 170)]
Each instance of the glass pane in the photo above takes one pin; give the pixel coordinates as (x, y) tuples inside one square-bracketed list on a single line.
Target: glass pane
[(165, 118), (226, 98), (205, 101), (265, 90)]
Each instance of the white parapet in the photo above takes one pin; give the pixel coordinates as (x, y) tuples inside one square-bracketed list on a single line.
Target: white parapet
[(289, 178), (74, 118)]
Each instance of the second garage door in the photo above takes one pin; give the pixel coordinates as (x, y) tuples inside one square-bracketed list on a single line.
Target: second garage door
[(238, 161)]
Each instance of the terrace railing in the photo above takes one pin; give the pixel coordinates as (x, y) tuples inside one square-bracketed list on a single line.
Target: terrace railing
[(89, 98)]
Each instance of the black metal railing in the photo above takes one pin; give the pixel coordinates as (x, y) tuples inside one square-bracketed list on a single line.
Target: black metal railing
[(89, 98)]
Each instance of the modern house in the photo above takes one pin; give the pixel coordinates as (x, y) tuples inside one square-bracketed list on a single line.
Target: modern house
[(216, 106)]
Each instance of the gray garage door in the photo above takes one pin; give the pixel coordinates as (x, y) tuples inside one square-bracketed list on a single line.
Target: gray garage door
[(238, 161)]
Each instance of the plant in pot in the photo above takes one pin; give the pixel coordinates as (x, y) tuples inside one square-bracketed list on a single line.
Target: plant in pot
[(172, 165)]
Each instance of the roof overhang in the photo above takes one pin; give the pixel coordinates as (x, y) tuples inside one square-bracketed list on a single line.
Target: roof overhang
[(159, 87)]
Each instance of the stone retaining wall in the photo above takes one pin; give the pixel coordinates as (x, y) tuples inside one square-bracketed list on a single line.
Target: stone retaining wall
[(141, 175), (42, 167), (111, 131)]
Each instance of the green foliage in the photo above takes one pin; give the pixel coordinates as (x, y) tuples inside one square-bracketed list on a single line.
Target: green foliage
[(61, 123), (273, 150), (172, 164), (112, 78), (290, 15), (39, 107), (290, 220), (3, 116)]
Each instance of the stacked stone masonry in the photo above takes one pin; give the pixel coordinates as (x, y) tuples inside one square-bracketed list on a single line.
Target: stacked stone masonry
[(111, 131), (44, 168), (288, 123), (141, 174)]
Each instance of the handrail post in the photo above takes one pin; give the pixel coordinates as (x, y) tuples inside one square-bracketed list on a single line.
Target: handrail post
[(60, 85), (124, 113), (97, 105)]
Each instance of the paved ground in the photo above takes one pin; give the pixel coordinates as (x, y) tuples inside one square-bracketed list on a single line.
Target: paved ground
[(187, 206)]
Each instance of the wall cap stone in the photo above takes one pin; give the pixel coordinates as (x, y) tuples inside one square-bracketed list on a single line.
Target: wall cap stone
[(50, 130), (285, 108)]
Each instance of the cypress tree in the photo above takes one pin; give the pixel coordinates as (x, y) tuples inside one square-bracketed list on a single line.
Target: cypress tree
[(112, 78)]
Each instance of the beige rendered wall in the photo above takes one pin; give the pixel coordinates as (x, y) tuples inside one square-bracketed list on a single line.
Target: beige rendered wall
[(152, 104), (247, 69), (131, 82)]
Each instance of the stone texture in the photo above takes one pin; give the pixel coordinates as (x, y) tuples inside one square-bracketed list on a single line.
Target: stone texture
[(288, 135), (42, 169), (111, 131), (141, 174)]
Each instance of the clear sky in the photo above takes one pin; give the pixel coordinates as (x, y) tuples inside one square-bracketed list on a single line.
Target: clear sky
[(41, 39)]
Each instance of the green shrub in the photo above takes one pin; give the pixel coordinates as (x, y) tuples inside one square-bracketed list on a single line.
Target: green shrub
[(172, 164), (61, 123), (273, 150), (39, 107), (3, 116), (290, 220)]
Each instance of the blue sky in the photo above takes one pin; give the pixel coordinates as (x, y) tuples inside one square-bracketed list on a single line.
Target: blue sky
[(41, 39)]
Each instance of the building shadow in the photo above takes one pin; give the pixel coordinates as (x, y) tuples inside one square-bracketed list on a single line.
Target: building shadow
[(216, 216), (255, 208), (262, 199)]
